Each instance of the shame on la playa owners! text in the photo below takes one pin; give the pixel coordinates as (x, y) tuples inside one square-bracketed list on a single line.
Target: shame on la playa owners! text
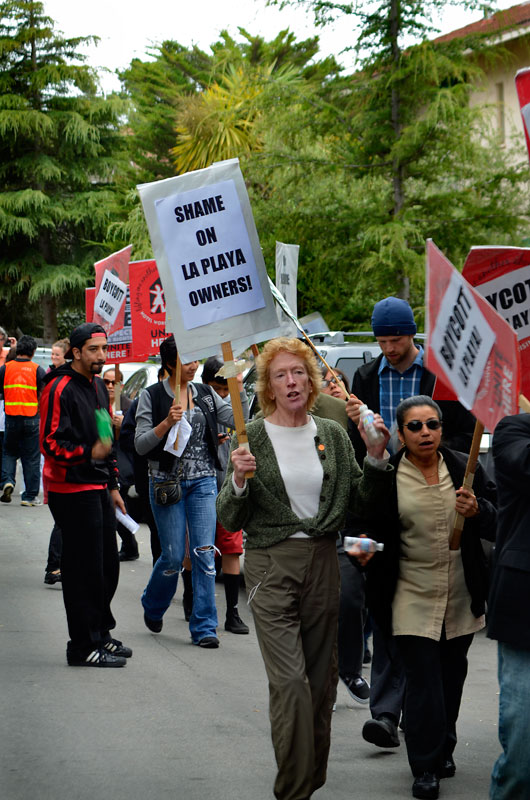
[(209, 252)]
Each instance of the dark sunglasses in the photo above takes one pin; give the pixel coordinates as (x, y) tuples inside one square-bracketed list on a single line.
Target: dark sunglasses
[(415, 425), (108, 382), (325, 384)]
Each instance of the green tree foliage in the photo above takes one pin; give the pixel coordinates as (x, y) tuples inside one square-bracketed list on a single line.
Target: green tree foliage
[(408, 137), (59, 149)]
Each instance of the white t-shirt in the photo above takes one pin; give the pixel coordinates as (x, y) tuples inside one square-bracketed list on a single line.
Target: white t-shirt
[(300, 467)]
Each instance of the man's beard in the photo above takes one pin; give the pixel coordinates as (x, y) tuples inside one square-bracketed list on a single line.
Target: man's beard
[(95, 369)]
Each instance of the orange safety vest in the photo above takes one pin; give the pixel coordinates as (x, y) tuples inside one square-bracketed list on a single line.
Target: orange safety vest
[(20, 389)]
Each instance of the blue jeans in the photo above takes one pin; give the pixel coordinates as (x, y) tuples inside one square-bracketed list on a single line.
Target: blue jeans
[(197, 509), (510, 779), (21, 440)]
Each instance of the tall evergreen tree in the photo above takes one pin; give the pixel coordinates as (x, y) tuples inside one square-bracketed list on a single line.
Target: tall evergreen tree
[(59, 147)]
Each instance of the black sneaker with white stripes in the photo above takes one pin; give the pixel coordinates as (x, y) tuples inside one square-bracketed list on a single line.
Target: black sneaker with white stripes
[(117, 648), (358, 688), (96, 658)]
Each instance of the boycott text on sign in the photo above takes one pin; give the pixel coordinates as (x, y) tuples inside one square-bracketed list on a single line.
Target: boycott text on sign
[(209, 254), (209, 259), (111, 297), (458, 340), (120, 341), (112, 279), (462, 340)]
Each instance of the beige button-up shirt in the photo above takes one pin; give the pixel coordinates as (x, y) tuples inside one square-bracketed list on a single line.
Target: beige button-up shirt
[(431, 587)]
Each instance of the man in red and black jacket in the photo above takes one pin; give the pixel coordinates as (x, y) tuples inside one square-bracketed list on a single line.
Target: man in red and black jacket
[(81, 476)]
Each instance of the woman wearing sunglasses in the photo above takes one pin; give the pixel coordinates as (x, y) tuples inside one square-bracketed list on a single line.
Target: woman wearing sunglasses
[(431, 598)]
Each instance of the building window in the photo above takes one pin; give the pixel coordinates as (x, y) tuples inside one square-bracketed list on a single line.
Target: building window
[(501, 129)]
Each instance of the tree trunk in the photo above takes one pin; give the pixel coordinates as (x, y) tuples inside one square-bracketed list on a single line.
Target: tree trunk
[(397, 168), (49, 314)]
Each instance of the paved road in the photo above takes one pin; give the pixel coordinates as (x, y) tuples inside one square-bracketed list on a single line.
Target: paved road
[(178, 723)]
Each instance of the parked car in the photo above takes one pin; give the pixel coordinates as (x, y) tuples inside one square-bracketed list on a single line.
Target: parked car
[(144, 374), (43, 357)]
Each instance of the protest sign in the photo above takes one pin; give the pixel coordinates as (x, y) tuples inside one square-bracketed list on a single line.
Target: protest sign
[(209, 260), (120, 342), (148, 308), (286, 281), (522, 84), (502, 276), (470, 347), (112, 278)]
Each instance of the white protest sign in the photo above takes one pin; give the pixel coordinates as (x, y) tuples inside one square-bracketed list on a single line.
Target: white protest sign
[(286, 281), (110, 298), (209, 260), (461, 340)]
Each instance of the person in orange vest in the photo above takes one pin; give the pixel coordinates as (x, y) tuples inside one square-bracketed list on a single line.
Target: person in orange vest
[(21, 381)]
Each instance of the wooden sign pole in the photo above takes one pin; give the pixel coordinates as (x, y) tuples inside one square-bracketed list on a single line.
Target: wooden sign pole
[(330, 369), (237, 408), (524, 403), (178, 369), (117, 387), (454, 544), (176, 401)]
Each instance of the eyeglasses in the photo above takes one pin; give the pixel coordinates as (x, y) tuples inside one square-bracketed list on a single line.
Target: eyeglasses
[(416, 425), (108, 382), (325, 384)]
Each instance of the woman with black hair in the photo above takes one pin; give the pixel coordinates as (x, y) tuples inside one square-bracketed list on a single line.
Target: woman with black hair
[(430, 597), (157, 413)]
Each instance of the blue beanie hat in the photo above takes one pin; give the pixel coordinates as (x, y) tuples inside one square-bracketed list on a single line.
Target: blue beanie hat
[(393, 317)]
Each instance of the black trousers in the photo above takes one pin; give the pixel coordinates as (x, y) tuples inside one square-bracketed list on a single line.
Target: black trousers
[(351, 617), (89, 565), (435, 675), (387, 679), (55, 549)]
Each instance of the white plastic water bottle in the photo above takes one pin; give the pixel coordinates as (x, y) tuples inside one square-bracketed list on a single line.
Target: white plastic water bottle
[(366, 545), (367, 419)]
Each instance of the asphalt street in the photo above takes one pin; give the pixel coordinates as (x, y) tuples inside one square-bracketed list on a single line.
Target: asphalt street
[(178, 723)]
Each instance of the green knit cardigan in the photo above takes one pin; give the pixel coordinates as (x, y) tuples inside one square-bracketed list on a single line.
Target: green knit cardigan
[(264, 511)]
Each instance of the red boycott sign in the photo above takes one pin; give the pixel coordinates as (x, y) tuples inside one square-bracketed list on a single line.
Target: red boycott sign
[(120, 342), (470, 347), (522, 84), (502, 276), (148, 308), (112, 278)]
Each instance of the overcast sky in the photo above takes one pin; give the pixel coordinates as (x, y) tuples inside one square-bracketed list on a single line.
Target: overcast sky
[(127, 27)]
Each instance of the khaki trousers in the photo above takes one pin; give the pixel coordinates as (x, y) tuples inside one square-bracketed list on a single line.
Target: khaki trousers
[(293, 592)]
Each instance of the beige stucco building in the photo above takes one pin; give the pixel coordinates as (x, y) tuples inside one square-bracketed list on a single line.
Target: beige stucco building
[(512, 33)]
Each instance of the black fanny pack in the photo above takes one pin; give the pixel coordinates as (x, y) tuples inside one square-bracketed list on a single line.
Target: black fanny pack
[(169, 492)]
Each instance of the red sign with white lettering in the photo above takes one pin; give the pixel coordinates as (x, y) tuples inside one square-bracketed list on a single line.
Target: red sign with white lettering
[(469, 344), (121, 341), (148, 308), (117, 264)]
